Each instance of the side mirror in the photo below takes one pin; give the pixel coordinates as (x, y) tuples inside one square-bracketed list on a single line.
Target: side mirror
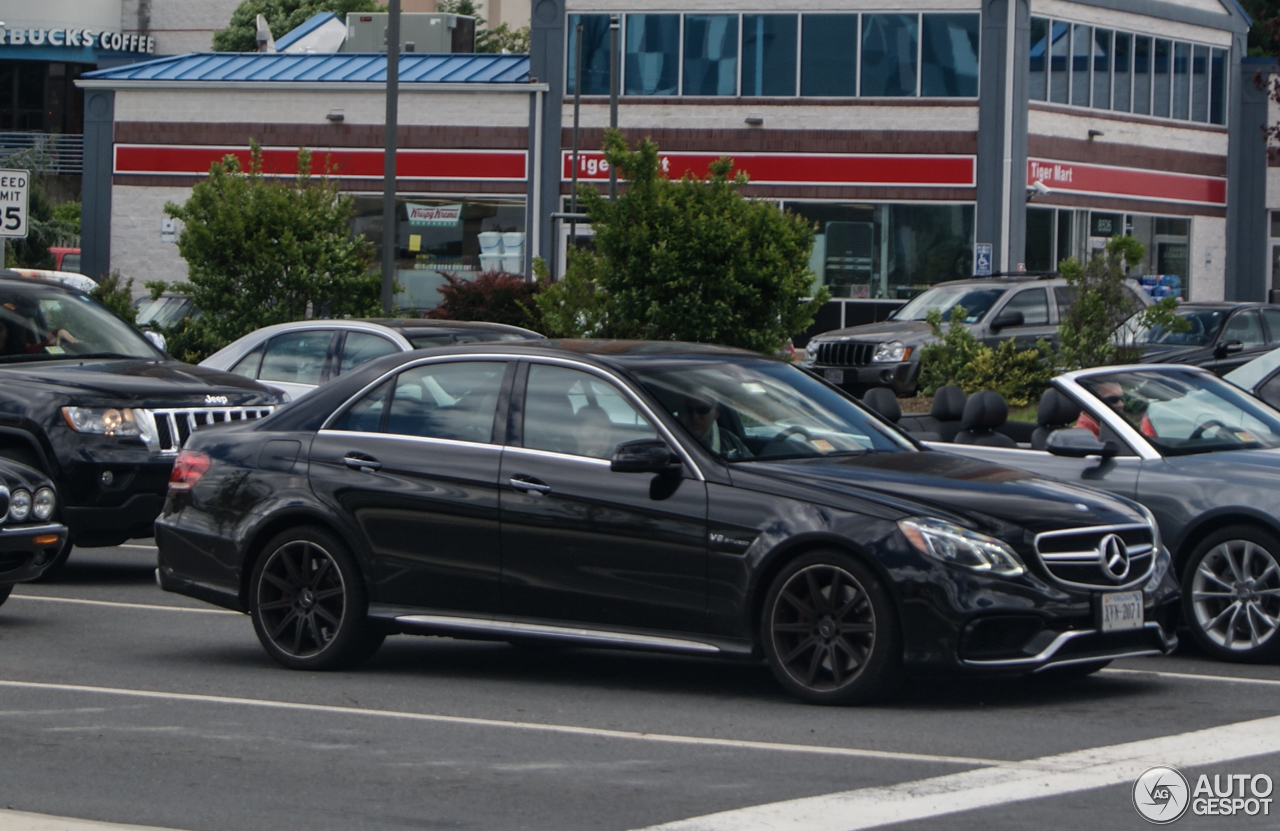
[(1230, 347), (157, 340), (1006, 319), (1079, 443), (645, 456)]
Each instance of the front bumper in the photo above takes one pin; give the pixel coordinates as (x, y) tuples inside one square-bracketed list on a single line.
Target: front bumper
[(93, 526), (900, 377), (27, 550)]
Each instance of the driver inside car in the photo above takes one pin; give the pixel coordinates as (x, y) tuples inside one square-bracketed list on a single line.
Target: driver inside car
[(700, 416), (1112, 394)]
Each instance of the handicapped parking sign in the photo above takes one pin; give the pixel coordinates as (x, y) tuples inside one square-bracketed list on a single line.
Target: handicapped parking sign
[(982, 259)]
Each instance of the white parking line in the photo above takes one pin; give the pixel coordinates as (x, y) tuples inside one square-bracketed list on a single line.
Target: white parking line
[(1195, 676), (116, 603), (517, 725), (23, 821), (132, 545), (1080, 770)]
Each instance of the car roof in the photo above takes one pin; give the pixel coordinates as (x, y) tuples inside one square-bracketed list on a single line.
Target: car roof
[(1225, 304), (411, 324), (8, 275)]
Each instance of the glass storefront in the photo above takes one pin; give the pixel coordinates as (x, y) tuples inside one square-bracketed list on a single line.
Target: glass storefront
[(891, 251), (460, 235), (41, 96)]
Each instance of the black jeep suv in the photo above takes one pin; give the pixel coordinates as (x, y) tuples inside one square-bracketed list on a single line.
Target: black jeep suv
[(90, 402)]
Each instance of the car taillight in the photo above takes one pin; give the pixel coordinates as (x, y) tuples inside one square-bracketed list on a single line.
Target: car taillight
[(187, 469)]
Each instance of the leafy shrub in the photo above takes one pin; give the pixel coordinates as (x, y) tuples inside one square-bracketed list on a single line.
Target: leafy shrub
[(116, 296), (494, 296), (957, 357)]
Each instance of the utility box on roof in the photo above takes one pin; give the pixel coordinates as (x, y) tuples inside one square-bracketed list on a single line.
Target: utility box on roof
[(429, 33)]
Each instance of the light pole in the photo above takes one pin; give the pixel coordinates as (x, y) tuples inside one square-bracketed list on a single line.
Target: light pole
[(577, 103), (614, 73), (389, 157)]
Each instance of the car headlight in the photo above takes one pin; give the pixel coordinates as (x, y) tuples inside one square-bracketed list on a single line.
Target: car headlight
[(103, 421), (958, 546), (811, 352), (19, 505), (43, 503), (891, 352)]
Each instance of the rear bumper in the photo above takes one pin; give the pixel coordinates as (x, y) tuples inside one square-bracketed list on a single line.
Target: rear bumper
[(27, 550)]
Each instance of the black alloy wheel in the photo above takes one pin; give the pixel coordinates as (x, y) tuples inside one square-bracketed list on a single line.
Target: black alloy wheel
[(308, 602), (829, 630), (1231, 594)]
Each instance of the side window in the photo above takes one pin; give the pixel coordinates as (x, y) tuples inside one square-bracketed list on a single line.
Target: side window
[(568, 411), (1066, 298), (455, 400), (1272, 317), (1270, 391), (1244, 327), (1034, 305), (296, 357), (247, 366), (362, 347), (365, 416)]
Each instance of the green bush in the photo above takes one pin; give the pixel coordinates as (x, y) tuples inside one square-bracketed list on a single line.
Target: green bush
[(493, 296), (957, 357), (116, 296)]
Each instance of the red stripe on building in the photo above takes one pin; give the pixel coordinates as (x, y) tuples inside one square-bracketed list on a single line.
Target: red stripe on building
[(486, 165), (804, 168), (1127, 182)]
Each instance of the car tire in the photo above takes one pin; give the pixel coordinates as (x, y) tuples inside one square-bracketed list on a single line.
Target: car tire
[(4, 592), (1231, 594), (308, 602), (830, 632), (23, 456)]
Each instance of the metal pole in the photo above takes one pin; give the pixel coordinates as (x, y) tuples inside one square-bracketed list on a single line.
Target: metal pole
[(1006, 201), (389, 249), (615, 71), (577, 103)]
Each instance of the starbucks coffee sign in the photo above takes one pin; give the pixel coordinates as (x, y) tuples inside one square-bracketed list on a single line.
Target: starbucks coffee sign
[(72, 38)]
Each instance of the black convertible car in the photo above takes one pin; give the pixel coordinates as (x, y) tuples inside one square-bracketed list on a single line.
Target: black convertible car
[(655, 496)]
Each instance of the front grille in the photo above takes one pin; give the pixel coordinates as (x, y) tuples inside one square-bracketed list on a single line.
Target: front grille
[(845, 353), (1077, 557), (172, 427)]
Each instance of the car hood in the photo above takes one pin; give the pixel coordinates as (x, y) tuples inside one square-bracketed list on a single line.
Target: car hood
[(137, 380), (940, 484), (907, 331)]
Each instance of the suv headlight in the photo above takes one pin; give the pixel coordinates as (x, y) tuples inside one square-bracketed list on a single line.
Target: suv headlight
[(42, 504), (811, 352), (958, 546), (103, 421), (891, 352)]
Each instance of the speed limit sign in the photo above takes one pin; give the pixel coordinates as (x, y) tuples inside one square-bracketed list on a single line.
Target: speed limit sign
[(14, 187)]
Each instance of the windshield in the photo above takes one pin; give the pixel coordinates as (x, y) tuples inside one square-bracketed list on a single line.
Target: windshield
[(744, 410), (38, 322), (162, 312), (976, 302), (1203, 328), (1187, 412), (1253, 373)]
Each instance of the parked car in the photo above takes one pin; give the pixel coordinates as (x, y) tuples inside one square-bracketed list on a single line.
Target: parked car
[(655, 496), (1261, 377), (1219, 336), (66, 259), (1202, 455), (154, 313), (297, 357), (887, 354), (91, 404), (30, 537), (66, 278)]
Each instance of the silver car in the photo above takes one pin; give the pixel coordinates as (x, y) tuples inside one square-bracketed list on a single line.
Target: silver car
[(298, 357)]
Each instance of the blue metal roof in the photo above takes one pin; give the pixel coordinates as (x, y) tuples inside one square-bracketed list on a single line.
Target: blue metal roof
[(305, 28), (341, 67)]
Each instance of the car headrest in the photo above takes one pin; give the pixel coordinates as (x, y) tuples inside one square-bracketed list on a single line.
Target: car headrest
[(985, 410), (948, 403), (883, 401), (1056, 409)]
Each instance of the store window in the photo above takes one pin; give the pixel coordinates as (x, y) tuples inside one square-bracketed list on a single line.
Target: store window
[(1200, 84), (1059, 69), (1038, 75), (1142, 75), (1081, 36), (829, 55), (711, 54), (889, 44), (949, 59), (1122, 92), (459, 236), (595, 53), (1182, 80), (769, 54), (41, 96), (892, 251), (1050, 238), (652, 65), (1161, 74)]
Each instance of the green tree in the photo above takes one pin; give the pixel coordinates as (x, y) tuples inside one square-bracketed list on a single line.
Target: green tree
[(263, 250), (283, 16), (957, 357), (692, 259), (117, 295), (500, 39), (1091, 332), (69, 214), (45, 227)]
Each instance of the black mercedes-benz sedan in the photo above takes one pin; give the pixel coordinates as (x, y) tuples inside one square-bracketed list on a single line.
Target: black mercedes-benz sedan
[(654, 496)]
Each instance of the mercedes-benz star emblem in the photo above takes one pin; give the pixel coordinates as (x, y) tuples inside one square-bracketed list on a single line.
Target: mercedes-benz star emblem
[(1113, 556)]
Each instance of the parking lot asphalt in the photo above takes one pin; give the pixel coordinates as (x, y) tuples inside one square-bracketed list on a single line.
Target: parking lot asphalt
[(120, 703)]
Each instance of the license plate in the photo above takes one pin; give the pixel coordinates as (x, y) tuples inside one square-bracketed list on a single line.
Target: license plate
[(835, 376), (1121, 611)]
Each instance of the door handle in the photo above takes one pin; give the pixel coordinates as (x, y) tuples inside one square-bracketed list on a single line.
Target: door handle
[(361, 462), (527, 484)]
